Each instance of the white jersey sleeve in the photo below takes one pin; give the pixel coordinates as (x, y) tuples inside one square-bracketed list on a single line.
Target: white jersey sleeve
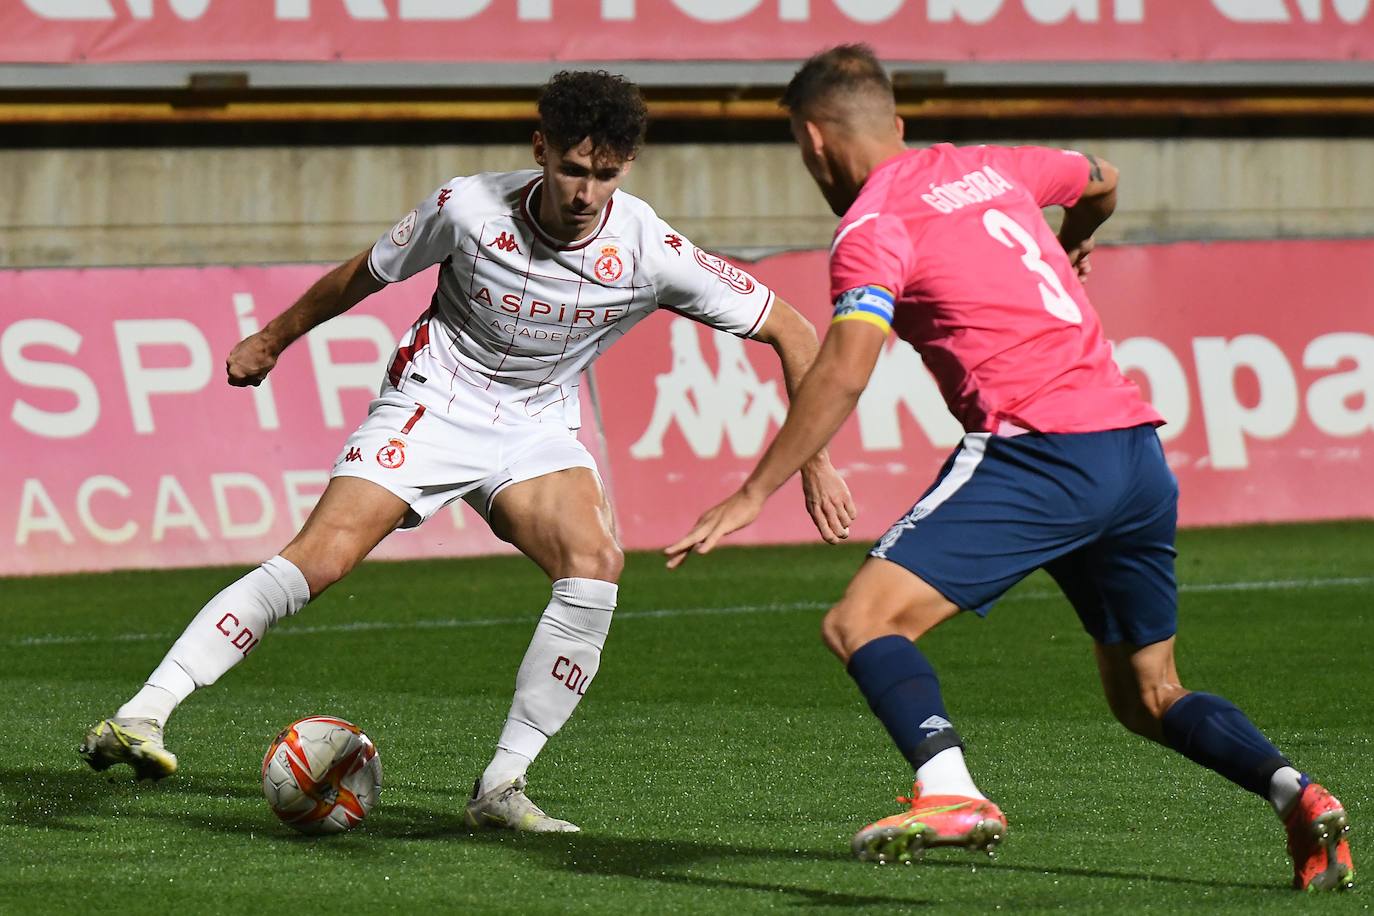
[(424, 237), (704, 286)]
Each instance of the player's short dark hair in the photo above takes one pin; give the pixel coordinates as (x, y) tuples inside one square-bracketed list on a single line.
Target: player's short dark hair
[(842, 69), (576, 105)]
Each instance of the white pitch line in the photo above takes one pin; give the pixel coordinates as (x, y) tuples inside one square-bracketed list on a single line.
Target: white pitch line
[(442, 624), (527, 619)]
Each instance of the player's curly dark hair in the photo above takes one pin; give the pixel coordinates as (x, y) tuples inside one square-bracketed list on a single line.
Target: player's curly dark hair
[(579, 104), (843, 68)]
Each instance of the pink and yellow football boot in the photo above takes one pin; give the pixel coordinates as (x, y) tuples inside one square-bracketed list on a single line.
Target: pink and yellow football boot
[(933, 820), (1317, 828)]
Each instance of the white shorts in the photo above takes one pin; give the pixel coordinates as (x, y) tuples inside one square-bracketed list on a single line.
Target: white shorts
[(429, 458)]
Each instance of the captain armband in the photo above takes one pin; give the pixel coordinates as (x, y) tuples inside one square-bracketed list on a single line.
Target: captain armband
[(865, 303)]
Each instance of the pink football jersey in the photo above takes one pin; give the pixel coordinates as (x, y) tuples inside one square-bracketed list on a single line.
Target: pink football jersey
[(948, 245)]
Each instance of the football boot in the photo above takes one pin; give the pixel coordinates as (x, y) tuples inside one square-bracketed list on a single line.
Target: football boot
[(137, 742), (975, 824), (508, 807), (1317, 844)]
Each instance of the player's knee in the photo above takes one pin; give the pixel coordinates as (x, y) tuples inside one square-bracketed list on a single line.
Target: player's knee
[(850, 624), (603, 561), (1156, 699), (325, 573), (612, 563), (323, 556), (321, 569), (1142, 711), (832, 634), (1136, 719)]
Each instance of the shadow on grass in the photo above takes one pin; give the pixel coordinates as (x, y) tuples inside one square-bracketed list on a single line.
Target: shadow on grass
[(68, 799), (671, 862), (653, 858), (1118, 875), (51, 799)]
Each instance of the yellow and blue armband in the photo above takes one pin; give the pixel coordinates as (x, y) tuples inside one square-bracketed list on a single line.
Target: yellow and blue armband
[(865, 303)]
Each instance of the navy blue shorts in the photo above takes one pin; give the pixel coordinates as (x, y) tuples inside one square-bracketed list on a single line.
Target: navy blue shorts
[(1096, 510)]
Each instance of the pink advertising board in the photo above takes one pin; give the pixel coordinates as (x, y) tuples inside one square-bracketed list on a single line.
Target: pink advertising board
[(1172, 31), (126, 448), (131, 449), (1261, 355)]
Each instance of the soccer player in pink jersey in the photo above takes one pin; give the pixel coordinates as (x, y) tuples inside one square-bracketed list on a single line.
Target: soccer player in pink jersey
[(540, 271), (1060, 469)]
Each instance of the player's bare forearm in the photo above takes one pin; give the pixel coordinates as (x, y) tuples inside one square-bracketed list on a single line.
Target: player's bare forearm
[(333, 294), (1093, 208), (794, 340), (1082, 219), (826, 396), (827, 496)]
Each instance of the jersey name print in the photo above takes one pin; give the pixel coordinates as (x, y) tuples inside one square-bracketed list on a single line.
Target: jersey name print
[(983, 289), (519, 315), (974, 188)]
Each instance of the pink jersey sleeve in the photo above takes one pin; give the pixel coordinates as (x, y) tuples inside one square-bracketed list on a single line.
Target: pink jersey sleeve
[(870, 250), (1054, 177)]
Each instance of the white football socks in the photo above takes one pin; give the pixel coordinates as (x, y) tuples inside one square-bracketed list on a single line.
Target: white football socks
[(561, 661), (1284, 788), (220, 636), (947, 774)]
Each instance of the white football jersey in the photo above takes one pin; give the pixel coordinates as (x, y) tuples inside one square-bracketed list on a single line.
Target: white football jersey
[(519, 315)]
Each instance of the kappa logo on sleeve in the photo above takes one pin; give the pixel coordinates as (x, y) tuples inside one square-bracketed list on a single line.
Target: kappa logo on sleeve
[(404, 231), (444, 195), (731, 275), (674, 241)]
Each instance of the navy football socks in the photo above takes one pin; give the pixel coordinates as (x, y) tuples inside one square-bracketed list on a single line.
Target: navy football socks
[(1210, 730), (902, 690)]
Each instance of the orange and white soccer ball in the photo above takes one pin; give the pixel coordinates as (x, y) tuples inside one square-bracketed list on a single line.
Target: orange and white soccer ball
[(322, 775)]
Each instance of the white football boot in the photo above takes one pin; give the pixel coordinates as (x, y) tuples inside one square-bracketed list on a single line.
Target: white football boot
[(507, 806), (137, 742)]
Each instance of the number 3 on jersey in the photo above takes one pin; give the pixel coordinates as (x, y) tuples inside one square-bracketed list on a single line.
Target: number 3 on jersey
[(1012, 234)]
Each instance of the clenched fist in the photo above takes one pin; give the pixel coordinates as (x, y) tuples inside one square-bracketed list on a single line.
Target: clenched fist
[(250, 360)]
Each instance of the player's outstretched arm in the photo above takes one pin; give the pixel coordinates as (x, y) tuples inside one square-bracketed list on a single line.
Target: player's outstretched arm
[(824, 399), (333, 294), (1094, 206), (828, 501)]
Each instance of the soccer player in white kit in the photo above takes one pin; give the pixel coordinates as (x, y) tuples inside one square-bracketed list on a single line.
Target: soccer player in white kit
[(541, 270)]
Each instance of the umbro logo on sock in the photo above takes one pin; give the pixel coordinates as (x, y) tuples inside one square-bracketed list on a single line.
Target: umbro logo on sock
[(936, 724)]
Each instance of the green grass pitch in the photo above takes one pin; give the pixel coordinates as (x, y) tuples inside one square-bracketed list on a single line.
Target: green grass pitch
[(719, 764)]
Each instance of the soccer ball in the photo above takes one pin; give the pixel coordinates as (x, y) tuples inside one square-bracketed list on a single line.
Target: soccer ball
[(321, 775)]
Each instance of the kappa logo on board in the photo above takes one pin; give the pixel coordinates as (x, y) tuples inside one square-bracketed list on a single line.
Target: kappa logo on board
[(711, 406)]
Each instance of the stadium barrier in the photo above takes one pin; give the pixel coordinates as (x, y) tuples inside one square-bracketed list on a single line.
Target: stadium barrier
[(129, 450)]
